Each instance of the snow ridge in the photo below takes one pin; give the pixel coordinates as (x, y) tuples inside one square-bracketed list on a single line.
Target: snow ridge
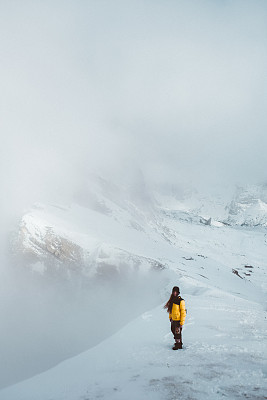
[(221, 270)]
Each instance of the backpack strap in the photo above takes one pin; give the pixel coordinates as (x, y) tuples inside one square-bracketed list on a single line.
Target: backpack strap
[(177, 300)]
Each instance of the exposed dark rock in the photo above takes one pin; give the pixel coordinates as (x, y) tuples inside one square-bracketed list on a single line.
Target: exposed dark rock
[(236, 273)]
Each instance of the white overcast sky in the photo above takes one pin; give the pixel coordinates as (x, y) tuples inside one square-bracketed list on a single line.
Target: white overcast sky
[(175, 88)]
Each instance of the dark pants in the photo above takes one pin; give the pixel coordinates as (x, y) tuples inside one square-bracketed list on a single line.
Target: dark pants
[(177, 331)]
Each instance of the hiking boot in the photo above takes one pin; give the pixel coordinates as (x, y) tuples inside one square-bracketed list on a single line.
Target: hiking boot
[(177, 346)]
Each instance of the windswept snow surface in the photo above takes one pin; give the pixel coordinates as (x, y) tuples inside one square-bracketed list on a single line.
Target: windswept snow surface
[(221, 271), (224, 356)]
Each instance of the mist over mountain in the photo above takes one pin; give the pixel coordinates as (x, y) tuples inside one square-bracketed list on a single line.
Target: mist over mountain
[(175, 89)]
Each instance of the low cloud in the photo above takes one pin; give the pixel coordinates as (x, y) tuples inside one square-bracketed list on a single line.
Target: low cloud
[(175, 89)]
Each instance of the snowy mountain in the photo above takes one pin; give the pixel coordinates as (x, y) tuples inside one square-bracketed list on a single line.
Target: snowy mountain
[(224, 357), (249, 206), (96, 236), (199, 243), (101, 230), (242, 206)]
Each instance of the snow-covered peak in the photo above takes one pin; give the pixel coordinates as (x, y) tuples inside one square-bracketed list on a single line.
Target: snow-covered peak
[(249, 206), (245, 206), (108, 233)]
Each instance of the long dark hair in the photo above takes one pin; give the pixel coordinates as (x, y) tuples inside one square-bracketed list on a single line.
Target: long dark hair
[(169, 303)]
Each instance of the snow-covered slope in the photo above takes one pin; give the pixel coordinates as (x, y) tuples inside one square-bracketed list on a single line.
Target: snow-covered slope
[(80, 239), (221, 271), (241, 206), (106, 232), (249, 206), (224, 356), (109, 228)]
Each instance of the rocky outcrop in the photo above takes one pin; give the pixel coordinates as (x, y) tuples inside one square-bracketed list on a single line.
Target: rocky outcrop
[(249, 206), (37, 241)]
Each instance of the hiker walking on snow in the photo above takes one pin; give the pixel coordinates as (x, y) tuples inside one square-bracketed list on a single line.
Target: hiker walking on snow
[(177, 313)]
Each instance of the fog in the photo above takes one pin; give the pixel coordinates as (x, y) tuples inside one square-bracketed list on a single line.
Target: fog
[(175, 88), (47, 320), (170, 91)]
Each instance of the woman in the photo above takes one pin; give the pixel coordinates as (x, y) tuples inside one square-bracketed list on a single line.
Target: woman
[(177, 313)]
